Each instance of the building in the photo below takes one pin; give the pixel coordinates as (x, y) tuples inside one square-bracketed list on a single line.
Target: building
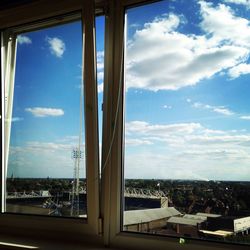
[(236, 225), (187, 225), (148, 220)]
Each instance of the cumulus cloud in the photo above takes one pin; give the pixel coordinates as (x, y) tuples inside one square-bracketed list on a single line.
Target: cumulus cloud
[(21, 39), (57, 46), (224, 26), (217, 109), (240, 69), (44, 112), (159, 57)]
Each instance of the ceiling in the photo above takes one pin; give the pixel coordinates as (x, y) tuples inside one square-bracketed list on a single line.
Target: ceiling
[(6, 4)]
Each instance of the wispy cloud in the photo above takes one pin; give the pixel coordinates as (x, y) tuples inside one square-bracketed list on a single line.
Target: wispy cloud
[(42, 159), (100, 60), (100, 70), (21, 39), (57, 46), (196, 151), (143, 127), (245, 117), (217, 109), (100, 76), (44, 112), (16, 119), (167, 107), (100, 88), (137, 142)]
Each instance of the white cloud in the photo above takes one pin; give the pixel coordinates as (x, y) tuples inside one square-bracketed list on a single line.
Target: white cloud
[(187, 151), (167, 107), (100, 60), (243, 2), (222, 110), (16, 119), (100, 70), (155, 130), (21, 39), (245, 117), (42, 159), (137, 142), (100, 76), (44, 112), (240, 69), (218, 109), (100, 88), (192, 134), (222, 23), (100, 55), (161, 58), (57, 46)]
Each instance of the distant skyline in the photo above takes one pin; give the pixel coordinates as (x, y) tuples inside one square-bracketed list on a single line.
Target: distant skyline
[(187, 93)]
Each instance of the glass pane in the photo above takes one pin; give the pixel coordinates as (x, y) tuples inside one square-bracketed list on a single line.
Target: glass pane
[(46, 166), (100, 28), (187, 120)]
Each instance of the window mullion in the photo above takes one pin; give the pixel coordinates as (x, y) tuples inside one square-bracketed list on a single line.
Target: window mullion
[(112, 127), (91, 128)]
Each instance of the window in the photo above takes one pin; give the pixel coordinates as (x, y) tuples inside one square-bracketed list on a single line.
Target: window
[(143, 122), (186, 156), (47, 74), (46, 161)]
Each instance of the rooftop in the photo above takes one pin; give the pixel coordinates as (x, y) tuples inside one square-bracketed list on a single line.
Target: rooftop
[(133, 217)]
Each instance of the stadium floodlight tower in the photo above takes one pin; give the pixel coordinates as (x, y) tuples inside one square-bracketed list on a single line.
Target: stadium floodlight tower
[(77, 155)]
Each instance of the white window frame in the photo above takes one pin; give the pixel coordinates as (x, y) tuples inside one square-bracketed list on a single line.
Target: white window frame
[(39, 15)]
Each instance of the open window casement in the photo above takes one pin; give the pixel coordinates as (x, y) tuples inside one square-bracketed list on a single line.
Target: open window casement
[(84, 14)]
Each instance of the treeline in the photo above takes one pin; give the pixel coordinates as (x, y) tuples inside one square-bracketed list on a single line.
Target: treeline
[(223, 197), (32, 184)]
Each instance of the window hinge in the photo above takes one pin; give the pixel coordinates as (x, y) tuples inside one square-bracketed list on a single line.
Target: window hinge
[(100, 226)]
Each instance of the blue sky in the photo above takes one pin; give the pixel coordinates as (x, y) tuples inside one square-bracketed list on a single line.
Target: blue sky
[(187, 93), (45, 123), (187, 90)]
